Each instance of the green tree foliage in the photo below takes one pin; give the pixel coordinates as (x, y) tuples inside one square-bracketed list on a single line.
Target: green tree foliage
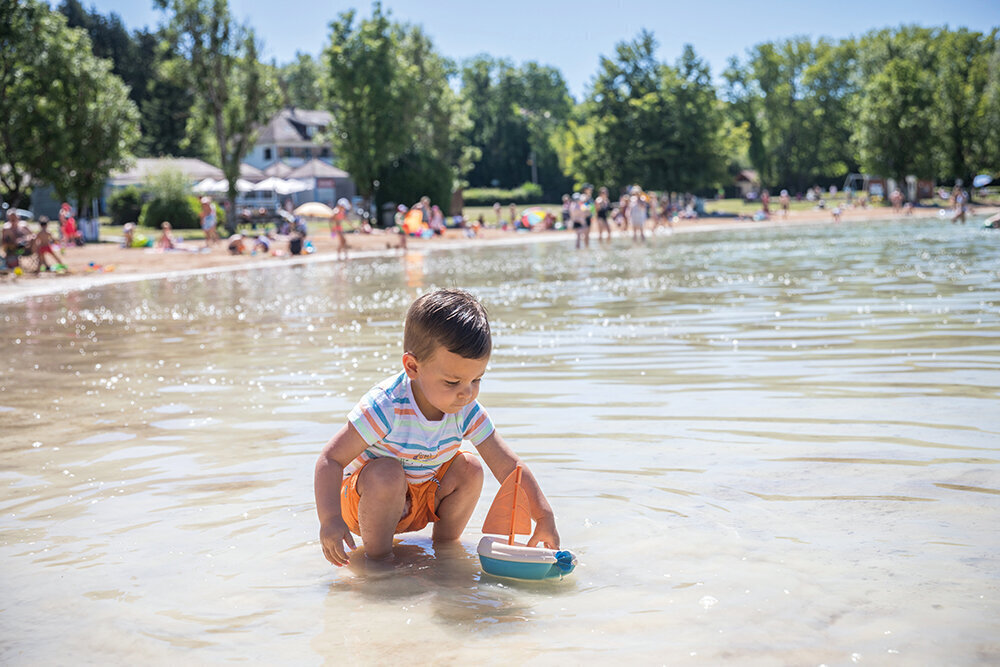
[(648, 122), (895, 107), (394, 111), (368, 95), (302, 82), (793, 96), (962, 75), (514, 112), (68, 119), (440, 121), (218, 62), (987, 152), (164, 106)]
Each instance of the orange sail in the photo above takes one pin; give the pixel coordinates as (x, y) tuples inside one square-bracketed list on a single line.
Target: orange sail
[(509, 514)]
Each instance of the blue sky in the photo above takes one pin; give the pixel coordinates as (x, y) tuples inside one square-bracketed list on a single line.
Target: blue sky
[(573, 35)]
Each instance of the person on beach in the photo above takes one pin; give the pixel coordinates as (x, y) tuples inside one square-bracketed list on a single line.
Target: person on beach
[(208, 221), (578, 218), (785, 203), (166, 240), (637, 214), (44, 245), (237, 244), (960, 199), (396, 465), (337, 229), (68, 231), (896, 199), (602, 209), (14, 238)]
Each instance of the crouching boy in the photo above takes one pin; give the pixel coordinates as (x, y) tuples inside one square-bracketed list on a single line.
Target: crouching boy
[(395, 466)]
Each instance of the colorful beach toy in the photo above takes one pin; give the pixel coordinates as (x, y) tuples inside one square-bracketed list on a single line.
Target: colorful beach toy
[(500, 555)]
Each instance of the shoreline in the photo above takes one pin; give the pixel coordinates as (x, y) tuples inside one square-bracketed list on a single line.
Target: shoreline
[(103, 264)]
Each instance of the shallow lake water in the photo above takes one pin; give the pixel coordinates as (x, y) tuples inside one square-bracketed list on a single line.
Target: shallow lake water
[(765, 446)]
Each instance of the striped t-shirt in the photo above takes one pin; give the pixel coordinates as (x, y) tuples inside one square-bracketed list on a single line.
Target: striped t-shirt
[(388, 419)]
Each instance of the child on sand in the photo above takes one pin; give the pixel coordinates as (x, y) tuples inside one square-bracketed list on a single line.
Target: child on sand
[(395, 466), (43, 245), (166, 240)]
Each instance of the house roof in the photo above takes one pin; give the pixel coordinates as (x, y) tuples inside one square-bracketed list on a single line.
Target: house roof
[(192, 168), (290, 126), (748, 175), (316, 168), (279, 169)]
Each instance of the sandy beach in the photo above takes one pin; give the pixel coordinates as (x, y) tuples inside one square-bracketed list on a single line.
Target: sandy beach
[(107, 263)]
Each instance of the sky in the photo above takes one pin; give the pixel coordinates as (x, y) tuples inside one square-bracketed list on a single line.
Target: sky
[(572, 36)]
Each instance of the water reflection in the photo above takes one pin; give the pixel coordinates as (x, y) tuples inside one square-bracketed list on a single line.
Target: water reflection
[(774, 446)]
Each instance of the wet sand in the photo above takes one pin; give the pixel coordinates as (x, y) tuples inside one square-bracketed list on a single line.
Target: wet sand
[(106, 263)]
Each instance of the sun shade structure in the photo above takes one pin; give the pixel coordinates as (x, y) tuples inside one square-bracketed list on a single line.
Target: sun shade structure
[(314, 209)]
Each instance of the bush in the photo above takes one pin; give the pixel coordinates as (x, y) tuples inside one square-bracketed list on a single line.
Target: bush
[(181, 212), (528, 193), (125, 205)]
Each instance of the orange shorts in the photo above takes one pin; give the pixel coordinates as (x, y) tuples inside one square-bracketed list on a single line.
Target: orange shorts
[(422, 497)]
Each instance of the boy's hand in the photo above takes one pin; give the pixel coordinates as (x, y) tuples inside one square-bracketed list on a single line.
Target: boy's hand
[(546, 533), (332, 537)]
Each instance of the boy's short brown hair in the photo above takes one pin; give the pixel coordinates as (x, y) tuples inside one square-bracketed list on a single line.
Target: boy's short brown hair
[(449, 318)]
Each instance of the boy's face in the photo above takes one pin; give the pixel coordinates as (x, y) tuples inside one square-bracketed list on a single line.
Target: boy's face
[(445, 382)]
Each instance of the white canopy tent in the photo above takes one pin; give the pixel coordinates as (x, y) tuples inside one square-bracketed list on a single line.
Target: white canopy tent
[(281, 186), (211, 186)]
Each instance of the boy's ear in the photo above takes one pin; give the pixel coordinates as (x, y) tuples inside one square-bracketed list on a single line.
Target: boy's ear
[(410, 365)]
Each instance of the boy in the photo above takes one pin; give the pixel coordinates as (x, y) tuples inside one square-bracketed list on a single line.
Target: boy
[(42, 245), (396, 465)]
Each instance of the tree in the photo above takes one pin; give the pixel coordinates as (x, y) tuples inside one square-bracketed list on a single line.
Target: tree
[(369, 97), (793, 97), (895, 106), (164, 106), (986, 156), (437, 150), (219, 64), (69, 121), (621, 112), (651, 123), (301, 82), (962, 73), (514, 112)]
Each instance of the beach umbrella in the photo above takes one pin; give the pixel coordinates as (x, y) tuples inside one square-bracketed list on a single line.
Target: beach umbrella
[(533, 216), (982, 180), (314, 209)]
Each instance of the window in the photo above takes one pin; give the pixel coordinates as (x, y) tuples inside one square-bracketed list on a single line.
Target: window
[(267, 153)]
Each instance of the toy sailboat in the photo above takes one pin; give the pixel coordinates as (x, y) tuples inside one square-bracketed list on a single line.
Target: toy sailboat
[(503, 557)]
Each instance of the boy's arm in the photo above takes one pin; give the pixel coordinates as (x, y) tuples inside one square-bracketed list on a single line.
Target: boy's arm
[(343, 448), (501, 460)]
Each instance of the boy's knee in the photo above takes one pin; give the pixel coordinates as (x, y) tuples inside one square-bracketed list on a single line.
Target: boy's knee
[(470, 468), (382, 476)]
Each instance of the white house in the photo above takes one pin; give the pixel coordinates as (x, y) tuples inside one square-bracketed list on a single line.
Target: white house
[(291, 136)]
